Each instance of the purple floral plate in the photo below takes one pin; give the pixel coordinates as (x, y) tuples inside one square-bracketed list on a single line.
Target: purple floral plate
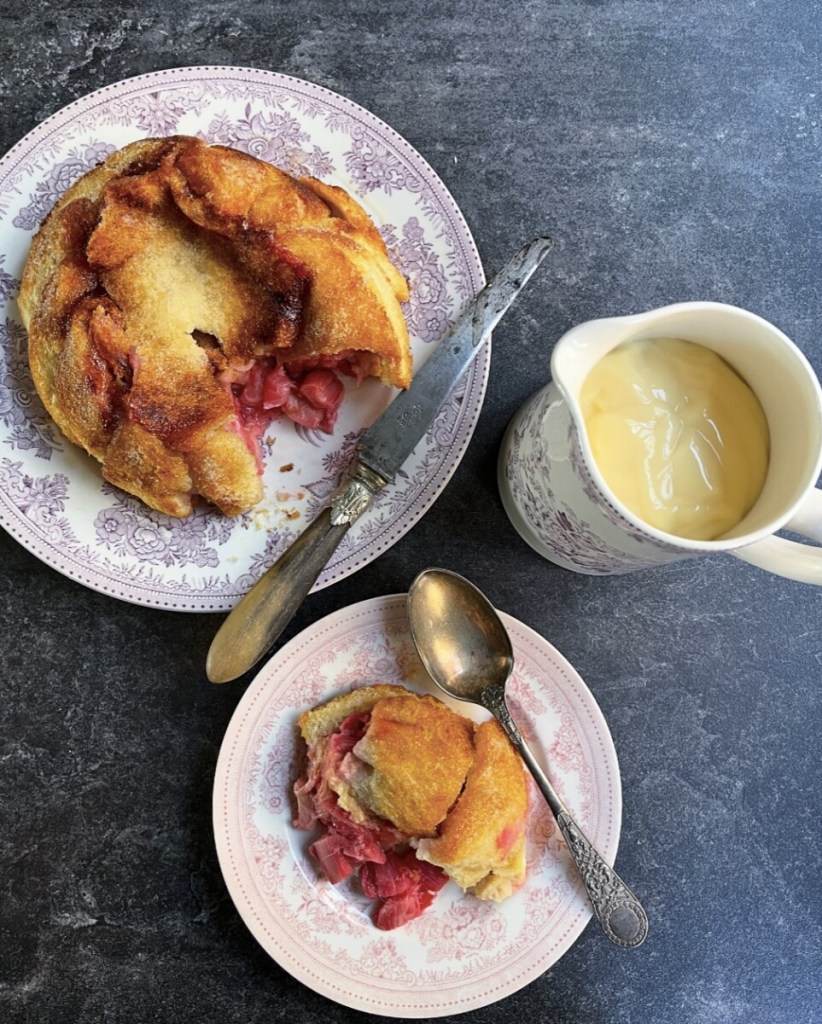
[(52, 496)]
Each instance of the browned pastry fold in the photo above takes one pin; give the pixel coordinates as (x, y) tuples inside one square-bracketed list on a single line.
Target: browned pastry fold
[(481, 844), (162, 275), (457, 791)]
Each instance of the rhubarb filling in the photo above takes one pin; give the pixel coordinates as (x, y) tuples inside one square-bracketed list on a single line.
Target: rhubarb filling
[(309, 392), (354, 842)]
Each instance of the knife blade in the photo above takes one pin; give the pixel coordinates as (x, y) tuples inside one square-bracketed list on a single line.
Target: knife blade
[(257, 621), (386, 444)]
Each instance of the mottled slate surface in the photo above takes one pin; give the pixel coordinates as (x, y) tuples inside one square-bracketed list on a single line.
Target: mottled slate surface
[(673, 151)]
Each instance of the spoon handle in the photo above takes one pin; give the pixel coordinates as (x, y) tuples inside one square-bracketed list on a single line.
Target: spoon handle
[(620, 914)]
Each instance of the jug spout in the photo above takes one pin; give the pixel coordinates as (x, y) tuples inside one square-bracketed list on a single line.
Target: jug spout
[(580, 348)]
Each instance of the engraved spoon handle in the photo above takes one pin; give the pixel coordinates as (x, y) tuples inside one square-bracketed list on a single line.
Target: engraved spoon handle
[(620, 914)]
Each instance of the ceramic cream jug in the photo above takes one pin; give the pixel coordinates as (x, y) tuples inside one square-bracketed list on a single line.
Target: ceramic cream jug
[(560, 504)]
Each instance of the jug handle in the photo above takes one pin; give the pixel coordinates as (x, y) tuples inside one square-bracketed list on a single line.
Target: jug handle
[(787, 557)]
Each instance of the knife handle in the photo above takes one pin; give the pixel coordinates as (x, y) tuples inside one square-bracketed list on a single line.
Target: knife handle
[(257, 621)]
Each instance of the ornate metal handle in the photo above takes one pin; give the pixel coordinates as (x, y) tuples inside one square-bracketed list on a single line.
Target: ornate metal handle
[(619, 912), (258, 620)]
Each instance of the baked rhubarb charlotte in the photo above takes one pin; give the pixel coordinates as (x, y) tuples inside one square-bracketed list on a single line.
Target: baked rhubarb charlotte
[(181, 296), (407, 795)]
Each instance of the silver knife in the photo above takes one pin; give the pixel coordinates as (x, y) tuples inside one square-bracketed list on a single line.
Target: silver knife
[(254, 625)]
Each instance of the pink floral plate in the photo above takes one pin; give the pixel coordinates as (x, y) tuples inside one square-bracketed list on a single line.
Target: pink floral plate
[(462, 953), (52, 496)]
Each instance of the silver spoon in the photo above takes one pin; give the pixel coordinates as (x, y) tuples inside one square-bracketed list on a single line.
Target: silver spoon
[(467, 652)]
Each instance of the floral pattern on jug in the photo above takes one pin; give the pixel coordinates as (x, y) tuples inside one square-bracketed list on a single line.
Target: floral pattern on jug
[(555, 504)]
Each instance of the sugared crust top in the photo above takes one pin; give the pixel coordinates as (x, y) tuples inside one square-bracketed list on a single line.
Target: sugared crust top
[(420, 752), (169, 242), (328, 717)]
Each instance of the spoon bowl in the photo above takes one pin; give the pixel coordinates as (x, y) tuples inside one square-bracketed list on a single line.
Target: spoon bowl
[(460, 638), (467, 651)]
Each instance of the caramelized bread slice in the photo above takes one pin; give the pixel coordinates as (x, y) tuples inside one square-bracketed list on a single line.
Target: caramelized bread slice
[(230, 192), (410, 765), (350, 214), (412, 762), (350, 307), (328, 717), (323, 236)]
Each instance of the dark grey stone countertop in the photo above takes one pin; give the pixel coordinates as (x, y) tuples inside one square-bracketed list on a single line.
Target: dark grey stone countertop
[(674, 151)]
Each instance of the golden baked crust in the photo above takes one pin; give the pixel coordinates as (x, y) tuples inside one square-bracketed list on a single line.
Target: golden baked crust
[(481, 844), (326, 718), (170, 266), (457, 789), (410, 765), (419, 752)]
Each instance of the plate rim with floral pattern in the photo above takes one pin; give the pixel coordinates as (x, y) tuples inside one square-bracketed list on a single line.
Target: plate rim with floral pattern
[(52, 497), (462, 953)]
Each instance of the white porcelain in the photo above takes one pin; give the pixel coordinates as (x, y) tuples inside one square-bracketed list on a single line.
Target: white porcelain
[(559, 503)]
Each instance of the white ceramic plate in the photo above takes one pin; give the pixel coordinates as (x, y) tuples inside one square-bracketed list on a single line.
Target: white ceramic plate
[(462, 953), (52, 496)]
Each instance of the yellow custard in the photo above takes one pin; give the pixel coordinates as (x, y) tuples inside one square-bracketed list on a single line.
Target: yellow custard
[(677, 434)]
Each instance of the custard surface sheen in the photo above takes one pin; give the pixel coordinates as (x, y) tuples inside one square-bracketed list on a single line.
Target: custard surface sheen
[(677, 434)]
